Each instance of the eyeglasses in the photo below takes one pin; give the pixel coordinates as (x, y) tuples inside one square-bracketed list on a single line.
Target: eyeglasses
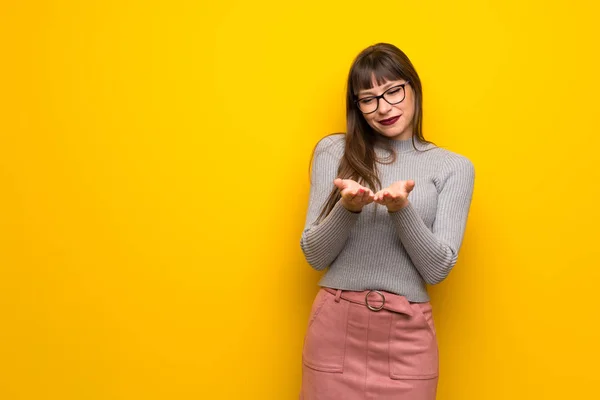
[(393, 95)]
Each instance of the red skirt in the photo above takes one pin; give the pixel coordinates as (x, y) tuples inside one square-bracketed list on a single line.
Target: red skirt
[(369, 345)]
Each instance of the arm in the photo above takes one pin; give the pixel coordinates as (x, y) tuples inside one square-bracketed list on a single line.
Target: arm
[(434, 252), (321, 243)]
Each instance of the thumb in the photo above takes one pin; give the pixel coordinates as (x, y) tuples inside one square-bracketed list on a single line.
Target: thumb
[(410, 185), (339, 183)]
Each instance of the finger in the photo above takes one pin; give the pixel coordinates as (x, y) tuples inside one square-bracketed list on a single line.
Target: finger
[(365, 195), (382, 195), (359, 195), (370, 196), (409, 186)]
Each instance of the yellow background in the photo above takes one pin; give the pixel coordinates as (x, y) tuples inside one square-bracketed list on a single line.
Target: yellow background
[(154, 174)]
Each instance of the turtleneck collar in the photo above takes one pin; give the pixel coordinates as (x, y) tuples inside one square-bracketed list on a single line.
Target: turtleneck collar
[(403, 146)]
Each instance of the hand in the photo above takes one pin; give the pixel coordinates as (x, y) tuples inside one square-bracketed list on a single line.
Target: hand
[(354, 196), (395, 196)]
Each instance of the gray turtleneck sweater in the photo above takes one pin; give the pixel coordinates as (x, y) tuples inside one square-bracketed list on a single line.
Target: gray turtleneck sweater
[(397, 252)]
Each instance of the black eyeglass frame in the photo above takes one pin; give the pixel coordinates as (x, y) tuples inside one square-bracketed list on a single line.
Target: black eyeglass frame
[(381, 96)]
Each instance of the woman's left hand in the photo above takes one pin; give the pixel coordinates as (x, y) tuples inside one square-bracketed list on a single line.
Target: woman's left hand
[(395, 196)]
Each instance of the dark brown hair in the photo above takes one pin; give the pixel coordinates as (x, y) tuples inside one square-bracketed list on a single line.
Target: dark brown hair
[(387, 63)]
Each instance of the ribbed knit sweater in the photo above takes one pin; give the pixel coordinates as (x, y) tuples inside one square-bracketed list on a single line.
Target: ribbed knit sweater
[(399, 252)]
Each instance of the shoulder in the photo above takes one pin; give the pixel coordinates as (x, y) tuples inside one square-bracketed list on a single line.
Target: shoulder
[(450, 161), (333, 144), (453, 167)]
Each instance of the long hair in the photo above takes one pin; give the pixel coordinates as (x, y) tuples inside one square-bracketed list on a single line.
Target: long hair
[(385, 62)]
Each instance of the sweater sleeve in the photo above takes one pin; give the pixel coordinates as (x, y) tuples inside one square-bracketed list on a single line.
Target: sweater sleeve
[(321, 243), (434, 252)]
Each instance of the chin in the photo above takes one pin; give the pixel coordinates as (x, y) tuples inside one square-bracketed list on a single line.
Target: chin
[(393, 132)]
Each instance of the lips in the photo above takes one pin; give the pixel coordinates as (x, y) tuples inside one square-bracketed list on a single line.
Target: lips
[(389, 121)]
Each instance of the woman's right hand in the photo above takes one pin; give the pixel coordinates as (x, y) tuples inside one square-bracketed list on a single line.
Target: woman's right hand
[(354, 196)]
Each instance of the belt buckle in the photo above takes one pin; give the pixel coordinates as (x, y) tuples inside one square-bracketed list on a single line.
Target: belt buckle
[(370, 307)]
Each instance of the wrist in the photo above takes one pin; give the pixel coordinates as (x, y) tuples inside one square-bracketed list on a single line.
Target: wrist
[(355, 209), (396, 209)]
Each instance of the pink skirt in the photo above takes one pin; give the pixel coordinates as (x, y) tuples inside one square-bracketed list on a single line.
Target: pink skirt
[(383, 348)]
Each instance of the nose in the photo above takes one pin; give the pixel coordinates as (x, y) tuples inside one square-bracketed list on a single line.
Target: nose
[(384, 106)]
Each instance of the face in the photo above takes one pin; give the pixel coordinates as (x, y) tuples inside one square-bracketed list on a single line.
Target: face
[(394, 121)]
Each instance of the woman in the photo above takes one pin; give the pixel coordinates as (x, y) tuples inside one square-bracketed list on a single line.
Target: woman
[(387, 213)]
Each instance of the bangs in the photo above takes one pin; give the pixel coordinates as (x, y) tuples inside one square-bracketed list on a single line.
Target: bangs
[(382, 68)]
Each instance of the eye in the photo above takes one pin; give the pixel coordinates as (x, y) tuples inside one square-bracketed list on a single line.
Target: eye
[(367, 101), (394, 91)]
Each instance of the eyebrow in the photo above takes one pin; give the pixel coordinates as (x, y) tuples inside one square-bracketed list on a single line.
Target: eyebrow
[(385, 87)]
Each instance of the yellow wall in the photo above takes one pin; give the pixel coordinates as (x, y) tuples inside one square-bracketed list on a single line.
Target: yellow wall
[(153, 166)]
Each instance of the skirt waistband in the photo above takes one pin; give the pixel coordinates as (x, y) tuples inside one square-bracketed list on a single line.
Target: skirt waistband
[(375, 300)]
